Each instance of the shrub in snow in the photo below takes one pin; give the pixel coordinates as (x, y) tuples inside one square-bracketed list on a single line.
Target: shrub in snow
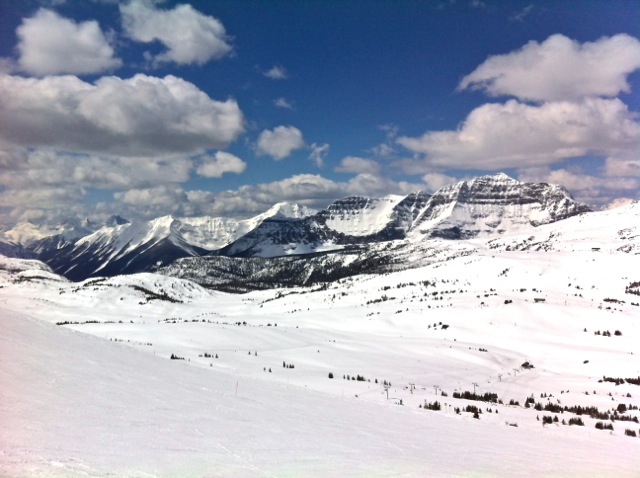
[(433, 406), (630, 433), (604, 426), (330, 374)]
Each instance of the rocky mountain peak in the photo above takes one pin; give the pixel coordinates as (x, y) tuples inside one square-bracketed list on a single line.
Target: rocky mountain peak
[(494, 203)]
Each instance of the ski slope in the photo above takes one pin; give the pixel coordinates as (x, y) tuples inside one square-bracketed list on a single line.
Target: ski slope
[(101, 396)]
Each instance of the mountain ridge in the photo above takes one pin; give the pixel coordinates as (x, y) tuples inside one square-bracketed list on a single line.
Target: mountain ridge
[(483, 206)]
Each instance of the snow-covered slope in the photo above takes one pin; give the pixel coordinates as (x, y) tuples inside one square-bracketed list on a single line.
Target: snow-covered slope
[(611, 230), (213, 233), (360, 216), (253, 395)]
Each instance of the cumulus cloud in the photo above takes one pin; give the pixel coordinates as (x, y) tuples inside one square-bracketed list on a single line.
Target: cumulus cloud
[(311, 190), (283, 103), (30, 169), (372, 185), (520, 15), (513, 134), (277, 72), (140, 116), (623, 166), (357, 165), (189, 36), (49, 44), (559, 69), (318, 153), (435, 181), (50, 185), (280, 142), (585, 187), (153, 202), (220, 163), (42, 197)]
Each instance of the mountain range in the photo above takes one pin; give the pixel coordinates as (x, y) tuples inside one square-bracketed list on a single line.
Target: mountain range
[(354, 232)]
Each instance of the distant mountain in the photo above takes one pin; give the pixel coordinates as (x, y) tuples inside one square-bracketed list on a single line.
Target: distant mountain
[(615, 231), (484, 206), (134, 247), (490, 204), (30, 240)]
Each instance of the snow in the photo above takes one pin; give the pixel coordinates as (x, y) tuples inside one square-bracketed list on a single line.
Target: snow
[(213, 233), (26, 232), (373, 216), (100, 396)]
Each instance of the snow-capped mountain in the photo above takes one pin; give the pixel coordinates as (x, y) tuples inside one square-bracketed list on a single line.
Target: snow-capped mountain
[(28, 234), (497, 203), (133, 247), (614, 231), (484, 206)]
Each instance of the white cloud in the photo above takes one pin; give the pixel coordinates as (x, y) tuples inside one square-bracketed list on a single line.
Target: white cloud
[(372, 185), (386, 149), (30, 169), (140, 116), (622, 167), (49, 44), (311, 190), (435, 181), (318, 153), (51, 185), (167, 197), (497, 136), (283, 103), (559, 69), (522, 14), (190, 36), (41, 197), (277, 72), (477, 4), (357, 165), (219, 164), (280, 142), (585, 187)]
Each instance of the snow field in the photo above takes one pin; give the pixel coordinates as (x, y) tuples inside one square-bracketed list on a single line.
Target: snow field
[(144, 413)]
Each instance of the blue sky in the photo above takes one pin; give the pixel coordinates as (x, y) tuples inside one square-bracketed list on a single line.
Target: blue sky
[(146, 108)]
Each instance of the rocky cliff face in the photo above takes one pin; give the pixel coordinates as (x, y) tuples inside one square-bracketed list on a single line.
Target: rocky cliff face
[(484, 205), (493, 204)]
